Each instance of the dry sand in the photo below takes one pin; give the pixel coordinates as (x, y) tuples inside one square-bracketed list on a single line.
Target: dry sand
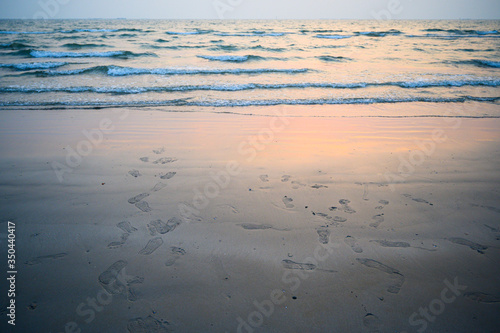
[(196, 222)]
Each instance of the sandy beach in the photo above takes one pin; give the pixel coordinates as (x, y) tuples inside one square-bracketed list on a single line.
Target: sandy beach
[(140, 220)]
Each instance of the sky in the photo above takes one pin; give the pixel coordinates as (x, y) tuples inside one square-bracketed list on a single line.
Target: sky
[(252, 9)]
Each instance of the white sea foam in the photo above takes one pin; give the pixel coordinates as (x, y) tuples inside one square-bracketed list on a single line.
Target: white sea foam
[(333, 36), (225, 58), (123, 71), (34, 65), (107, 54), (253, 86), (246, 103)]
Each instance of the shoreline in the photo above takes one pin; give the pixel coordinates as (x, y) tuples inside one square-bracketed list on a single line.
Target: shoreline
[(472, 110)]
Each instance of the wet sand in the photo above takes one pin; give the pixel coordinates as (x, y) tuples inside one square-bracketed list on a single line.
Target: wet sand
[(149, 221)]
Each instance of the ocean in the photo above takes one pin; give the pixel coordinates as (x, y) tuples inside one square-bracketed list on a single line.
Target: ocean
[(245, 65)]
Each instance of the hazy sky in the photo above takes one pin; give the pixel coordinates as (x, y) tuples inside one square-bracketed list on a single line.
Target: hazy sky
[(242, 9)]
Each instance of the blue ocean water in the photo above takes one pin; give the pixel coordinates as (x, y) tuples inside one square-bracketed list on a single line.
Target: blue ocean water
[(243, 64)]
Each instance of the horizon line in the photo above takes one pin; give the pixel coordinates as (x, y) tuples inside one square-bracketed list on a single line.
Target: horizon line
[(243, 19)]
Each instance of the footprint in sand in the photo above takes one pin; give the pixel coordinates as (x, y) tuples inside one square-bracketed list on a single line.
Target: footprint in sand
[(230, 208), (173, 223), (372, 322), (297, 184), (365, 191), (171, 261), (288, 202), (151, 246), (323, 215), (264, 178), (161, 227), (382, 203), (289, 264), (386, 243), (38, 260), (109, 278), (492, 229), (167, 175), (143, 206), (419, 200), (138, 198), (324, 235), (114, 281), (397, 278), (147, 325), (317, 186), (252, 226), (126, 227), (159, 150), (134, 173), (344, 203), (329, 218), (144, 159), (134, 279), (285, 178), (482, 297), (114, 245), (165, 160), (177, 252), (353, 243), (158, 187), (495, 230), (378, 219), (131, 293), (493, 209), (156, 227), (474, 246), (187, 214), (127, 230)]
